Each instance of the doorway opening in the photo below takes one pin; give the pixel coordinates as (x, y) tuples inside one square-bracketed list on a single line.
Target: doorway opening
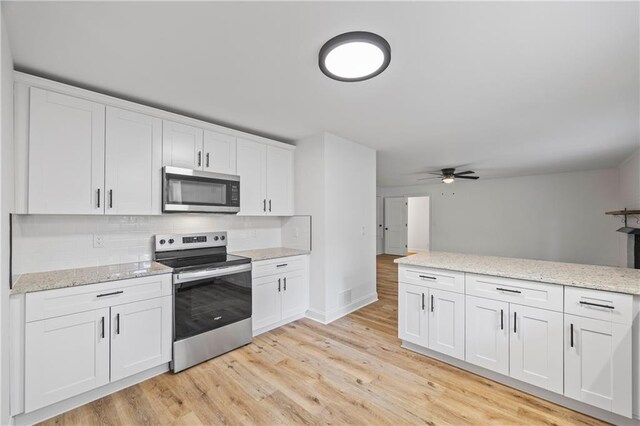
[(406, 225)]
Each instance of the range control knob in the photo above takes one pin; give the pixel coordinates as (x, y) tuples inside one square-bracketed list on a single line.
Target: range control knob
[(162, 241), (171, 241), (222, 238), (215, 238)]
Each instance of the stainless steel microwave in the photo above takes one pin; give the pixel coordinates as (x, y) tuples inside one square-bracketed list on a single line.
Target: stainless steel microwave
[(186, 190)]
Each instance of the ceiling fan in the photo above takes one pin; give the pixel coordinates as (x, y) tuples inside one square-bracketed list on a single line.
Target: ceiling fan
[(449, 175)]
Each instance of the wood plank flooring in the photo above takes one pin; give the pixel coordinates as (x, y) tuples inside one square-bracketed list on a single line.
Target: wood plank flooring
[(352, 371)]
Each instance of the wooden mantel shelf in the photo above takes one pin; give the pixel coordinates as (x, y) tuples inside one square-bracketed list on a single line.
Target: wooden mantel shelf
[(624, 212)]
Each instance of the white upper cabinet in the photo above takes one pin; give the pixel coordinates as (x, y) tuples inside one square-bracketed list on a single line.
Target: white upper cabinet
[(182, 145), (66, 154), (252, 169), (279, 181), (133, 163), (219, 153)]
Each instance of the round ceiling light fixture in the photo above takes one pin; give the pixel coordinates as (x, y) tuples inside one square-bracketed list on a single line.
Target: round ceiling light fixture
[(354, 56)]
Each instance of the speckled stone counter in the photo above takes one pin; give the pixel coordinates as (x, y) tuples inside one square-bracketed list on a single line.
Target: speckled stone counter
[(620, 280), (271, 253), (39, 281)]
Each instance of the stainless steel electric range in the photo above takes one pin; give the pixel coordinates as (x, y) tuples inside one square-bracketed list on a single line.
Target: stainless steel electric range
[(211, 296)]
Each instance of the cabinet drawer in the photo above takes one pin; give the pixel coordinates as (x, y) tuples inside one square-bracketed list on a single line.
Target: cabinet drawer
[(601, 305), (53, 303), (434, 278), (528, 293), (263, 268)]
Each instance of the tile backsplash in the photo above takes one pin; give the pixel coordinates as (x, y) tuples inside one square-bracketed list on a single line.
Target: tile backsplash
[(48, 242)]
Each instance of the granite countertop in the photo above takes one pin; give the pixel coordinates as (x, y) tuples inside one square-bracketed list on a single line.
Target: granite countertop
[(39, 281), (609, 278), (271, 253)]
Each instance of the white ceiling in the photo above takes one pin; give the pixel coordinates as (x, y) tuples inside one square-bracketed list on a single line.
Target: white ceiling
[(505, 88)]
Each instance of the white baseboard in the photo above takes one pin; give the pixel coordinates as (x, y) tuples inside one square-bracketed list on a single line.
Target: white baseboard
[(334, 314), (53, 410), (559, 399)]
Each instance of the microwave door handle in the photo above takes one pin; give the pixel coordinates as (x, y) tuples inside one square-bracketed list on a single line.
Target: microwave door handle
[(183, 277)]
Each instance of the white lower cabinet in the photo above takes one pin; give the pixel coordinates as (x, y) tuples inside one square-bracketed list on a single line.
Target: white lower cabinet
[(597, 363), (536, 346), (413, 325), (279, 297), (65, 356), (487, 334)]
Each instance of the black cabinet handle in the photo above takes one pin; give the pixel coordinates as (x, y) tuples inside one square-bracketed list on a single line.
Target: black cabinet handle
[(427, 277), (199, 158), (279, 284), (269, 205), (515, 322), (111, 198), (432, 303), (423, 301), (98, 198), (597, 304), (571, 335), (102, 326), (264, 205), (110, 294), (207, 159), (117, 323), (501, 319), (508, 290), (285, 283)]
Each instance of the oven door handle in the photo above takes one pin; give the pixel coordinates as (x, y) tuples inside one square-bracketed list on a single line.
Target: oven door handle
[(186, 277)]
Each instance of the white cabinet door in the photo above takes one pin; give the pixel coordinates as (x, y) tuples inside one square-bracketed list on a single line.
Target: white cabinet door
[(294, 293), (66, 154), (65, 356), (412, 314), (266, 301), (598, 363), (279, 181), (133, 163), (219, 153), (446, 322), (181, 145), (487, 334), (252, 163), (396, 219), (141, 336), (536, 347)]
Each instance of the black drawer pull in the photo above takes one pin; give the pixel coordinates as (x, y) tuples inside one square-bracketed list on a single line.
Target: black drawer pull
[(508, 290), (281, 265), (110, 294), (597, 304), (427, 277)]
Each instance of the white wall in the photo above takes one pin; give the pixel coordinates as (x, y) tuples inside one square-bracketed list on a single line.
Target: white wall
[(418, 224), (6, 207), (335, 184), (557, 217), (630, 198), (48, 242)]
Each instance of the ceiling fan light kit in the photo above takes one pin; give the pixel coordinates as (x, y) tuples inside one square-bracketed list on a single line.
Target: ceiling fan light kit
[(449, 175)]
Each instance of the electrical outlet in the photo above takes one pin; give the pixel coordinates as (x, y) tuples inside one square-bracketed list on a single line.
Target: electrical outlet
[(98, 241)]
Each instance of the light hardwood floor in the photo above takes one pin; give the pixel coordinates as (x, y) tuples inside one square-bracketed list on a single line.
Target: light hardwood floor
[(352, 371)]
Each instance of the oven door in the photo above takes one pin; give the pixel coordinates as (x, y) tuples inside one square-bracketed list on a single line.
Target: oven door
[(210, 299), (185, 190)]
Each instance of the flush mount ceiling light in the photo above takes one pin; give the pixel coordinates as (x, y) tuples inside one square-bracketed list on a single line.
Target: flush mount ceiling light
[(354, 56)]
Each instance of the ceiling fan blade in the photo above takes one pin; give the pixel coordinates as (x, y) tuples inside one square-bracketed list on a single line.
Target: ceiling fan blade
[(468, 172), (467, 177)]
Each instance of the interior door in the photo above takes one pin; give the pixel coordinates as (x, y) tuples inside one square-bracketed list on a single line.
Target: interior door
[(66, 154), (65, 356), (219, 153), (446, 322), (279, 181), (413, 321), (487, 334), (536, 347), (597, 363), (252, 162), (395, 225), (294, 294), (379, 225), (181, 145), (133, 163), (267, 300), (140, 336)]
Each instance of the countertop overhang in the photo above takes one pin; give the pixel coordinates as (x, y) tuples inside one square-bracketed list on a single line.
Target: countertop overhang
[(608, 278)]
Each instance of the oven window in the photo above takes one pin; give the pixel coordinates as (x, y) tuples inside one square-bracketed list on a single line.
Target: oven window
[(205, 305), (186, 191)]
